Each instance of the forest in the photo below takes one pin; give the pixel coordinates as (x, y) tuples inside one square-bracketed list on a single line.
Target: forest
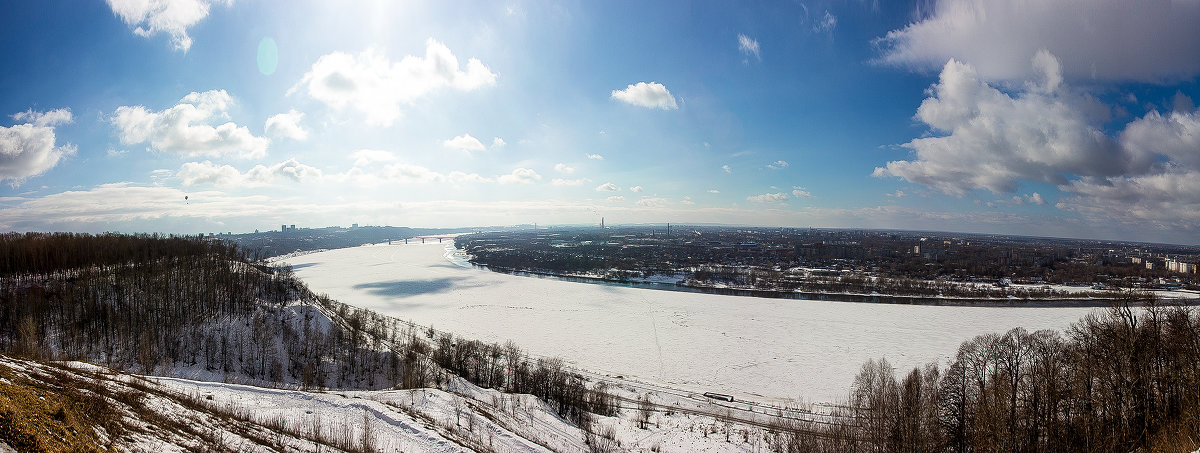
[(184, 306), (1122, 380)]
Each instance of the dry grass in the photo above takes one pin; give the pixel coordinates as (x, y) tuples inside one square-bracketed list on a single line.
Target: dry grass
[(39, 416)]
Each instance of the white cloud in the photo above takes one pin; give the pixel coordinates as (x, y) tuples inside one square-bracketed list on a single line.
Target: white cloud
[(827, 24), (1175, 136), (615, 198), (464, 142), (56, 117), (459, 177), (520, 176), (651, 95), (286, 125), (749, 47), (608, 187), (635, 189), (366, 157), (173, 17), (727, 169), (713, 191), (197, 173), (778, 165), (29, 149), (498, 142), (767, 198), (1045, 130), (687, 201), (595, 157), (1113, 40), (1167, 201), (410, 174), (186, 128), (897, 194), (377, 87), (564, 169), (206, 173), (569, 182), (994, 139), (649, 202), (800, 192)]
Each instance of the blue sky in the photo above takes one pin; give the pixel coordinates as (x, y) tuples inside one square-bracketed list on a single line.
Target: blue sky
[(1058, 118)]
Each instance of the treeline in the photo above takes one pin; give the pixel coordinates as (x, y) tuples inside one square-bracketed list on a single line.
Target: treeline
[(185, 306), (43, 253), (839, 282), (1124, 380), (507, 368), (198, 309)]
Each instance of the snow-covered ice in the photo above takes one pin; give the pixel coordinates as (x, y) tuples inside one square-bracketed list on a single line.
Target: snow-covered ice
[(764, 349)]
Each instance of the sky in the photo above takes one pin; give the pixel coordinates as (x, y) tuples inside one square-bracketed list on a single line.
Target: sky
[(1066, 118)]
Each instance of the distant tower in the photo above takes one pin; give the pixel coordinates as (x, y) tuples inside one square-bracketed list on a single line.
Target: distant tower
[(283, 228), (668, 229), (602, 223)]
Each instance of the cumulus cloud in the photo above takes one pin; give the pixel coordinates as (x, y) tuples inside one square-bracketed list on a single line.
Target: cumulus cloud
[(559, 181), (201, 173), (51, 118), (749, 47), (800, 192), (377, 87), (564, 169), (636, 189), (595, 157), (459, 177), (520, 176), (778, 165), (498, 142), (286, 125), (408, 173), (1045, 130), (990, 139), (464, 142), (652, 202), (30, 149), (1175, 135), (713, 191), (569, 182), (173, 17), (187, 128), (897, 194), (767, 198), (366, 157), (615, 198), (608, 187), (1095, 39), (651, 95), (727, 169)]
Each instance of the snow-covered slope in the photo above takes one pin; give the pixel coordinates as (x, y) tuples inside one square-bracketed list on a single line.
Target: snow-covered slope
[(159, 414)]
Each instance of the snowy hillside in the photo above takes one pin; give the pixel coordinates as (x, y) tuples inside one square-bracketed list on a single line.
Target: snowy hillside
[(154, 414)]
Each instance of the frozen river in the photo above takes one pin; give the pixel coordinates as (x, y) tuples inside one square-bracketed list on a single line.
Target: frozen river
[(772, 348)]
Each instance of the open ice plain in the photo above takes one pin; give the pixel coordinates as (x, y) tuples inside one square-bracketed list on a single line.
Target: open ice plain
[(765, 349)]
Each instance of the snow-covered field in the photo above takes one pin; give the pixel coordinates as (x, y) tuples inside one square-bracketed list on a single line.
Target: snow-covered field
[(764, 349)]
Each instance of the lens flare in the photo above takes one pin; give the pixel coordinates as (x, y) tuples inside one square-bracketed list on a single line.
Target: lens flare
[(268, 56)]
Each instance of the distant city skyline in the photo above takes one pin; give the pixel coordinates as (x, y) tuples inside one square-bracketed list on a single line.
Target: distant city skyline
[(1058, 119)]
